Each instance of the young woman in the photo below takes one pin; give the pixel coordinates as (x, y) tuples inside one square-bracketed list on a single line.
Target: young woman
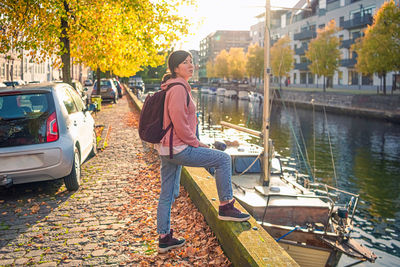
[(187, 150)]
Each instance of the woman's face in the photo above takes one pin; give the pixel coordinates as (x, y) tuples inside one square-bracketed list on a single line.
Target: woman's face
[(185, 69)]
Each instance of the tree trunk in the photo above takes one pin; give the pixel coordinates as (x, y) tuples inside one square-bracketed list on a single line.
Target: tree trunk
[(280, 83), (66, 55), (98, 81), (323, 77), (384, 83)]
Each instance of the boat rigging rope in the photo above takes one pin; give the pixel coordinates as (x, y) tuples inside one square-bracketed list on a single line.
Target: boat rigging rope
[(301, 134), (330, 147), (248, 168), (291, 231), (243, 172), (297, 143)]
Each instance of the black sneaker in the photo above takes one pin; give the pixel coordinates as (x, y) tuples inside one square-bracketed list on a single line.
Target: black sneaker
[(228, 212), (168, 242)]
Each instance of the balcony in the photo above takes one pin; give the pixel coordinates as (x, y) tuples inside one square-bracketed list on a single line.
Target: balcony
[(308, 34), (350, 62), (301, 66), (301, 50), (347, 43), (359, 22)]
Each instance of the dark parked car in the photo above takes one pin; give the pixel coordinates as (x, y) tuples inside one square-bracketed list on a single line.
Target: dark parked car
[(46, 133), (108, 90)]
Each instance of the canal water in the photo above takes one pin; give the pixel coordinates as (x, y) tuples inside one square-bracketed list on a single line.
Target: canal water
[(365, 153)]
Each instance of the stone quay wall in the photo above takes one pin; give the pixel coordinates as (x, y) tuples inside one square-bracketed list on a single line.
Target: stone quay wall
[(373, 106)]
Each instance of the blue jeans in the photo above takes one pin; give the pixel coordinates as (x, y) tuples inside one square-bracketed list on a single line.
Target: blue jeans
[(171, 174)]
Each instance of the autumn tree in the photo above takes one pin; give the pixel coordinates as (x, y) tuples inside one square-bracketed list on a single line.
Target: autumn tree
[(255, 61), (110, 35), (282, 58), (379, 49), (210, 68), (323, 52), (222, 65), (236, 63)]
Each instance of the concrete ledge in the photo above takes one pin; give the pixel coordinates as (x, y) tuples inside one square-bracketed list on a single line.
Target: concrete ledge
[(245, 244)]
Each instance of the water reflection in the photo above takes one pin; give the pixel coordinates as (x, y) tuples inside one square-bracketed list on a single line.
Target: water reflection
[(366, 156)]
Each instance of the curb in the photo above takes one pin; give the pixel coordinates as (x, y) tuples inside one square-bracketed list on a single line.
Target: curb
[(246, 243)]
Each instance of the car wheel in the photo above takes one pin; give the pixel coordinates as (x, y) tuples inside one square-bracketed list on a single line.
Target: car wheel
[(94, 147), (73, 180)]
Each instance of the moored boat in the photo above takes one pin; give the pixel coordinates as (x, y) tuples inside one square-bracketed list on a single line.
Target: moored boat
[(308, 222), (255, 97), (212, 91), (243, 95), (231, 93), (204, 90), (221, 91)]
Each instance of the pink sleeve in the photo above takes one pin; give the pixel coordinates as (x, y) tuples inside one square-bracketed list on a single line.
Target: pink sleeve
[(179, 114)]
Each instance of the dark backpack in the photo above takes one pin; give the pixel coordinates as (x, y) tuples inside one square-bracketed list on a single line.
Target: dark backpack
[(152, 117)]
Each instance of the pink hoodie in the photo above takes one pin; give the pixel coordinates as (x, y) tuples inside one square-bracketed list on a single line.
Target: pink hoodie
[(183, 117)]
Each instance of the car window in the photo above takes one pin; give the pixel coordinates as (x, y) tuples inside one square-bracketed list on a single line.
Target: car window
[(23, 118), (77, 99), (68, 101), (105, 83)]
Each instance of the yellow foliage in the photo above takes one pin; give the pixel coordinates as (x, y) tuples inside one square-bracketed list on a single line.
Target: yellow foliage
[(282, 57), (117, 36), (255, 61)]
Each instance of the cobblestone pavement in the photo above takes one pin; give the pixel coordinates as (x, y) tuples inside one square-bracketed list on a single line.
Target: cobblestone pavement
[(111, 219), (42, 224)]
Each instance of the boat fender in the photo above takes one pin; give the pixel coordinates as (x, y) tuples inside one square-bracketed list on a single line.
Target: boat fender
[(220, 145), (274, 189)]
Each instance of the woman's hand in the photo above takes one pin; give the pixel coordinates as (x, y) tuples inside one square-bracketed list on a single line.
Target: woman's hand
[(203, 145)]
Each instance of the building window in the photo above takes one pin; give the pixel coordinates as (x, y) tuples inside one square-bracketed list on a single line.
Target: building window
[(303, 59), (310, 78), (303, 77), (367, 80), (340, 77), (353, 77)]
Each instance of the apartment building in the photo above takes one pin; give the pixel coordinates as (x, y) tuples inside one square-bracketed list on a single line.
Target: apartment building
[(20, 67), (195, 59), (216, 42), (352, 16)]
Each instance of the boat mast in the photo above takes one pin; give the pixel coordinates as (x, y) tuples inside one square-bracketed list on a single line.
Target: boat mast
[(266, 116)]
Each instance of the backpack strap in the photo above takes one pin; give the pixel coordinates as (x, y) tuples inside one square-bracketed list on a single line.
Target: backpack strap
[(177, 83), (171, 135)]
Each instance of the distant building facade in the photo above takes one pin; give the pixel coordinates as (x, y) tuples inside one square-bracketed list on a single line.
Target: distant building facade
[(216, 42), (352, 16), (196, 62), (20, 67)]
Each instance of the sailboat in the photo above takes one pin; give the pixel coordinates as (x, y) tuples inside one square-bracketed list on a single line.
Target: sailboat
[(304, 218)]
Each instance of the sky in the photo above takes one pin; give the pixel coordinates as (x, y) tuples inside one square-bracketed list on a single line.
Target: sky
[(212, 15)]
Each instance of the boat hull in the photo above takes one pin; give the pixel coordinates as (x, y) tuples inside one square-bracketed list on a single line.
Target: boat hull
[(308, 256)]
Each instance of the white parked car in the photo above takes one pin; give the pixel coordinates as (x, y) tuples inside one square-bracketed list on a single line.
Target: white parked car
[(46, 132)]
